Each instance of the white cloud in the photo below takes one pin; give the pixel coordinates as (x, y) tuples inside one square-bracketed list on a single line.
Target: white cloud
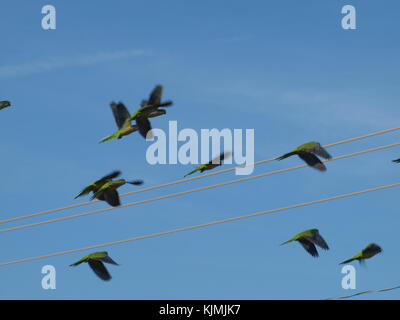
[(65, 62)]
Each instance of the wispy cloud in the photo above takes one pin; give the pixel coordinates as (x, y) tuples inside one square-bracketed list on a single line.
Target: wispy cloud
[(51, 64)]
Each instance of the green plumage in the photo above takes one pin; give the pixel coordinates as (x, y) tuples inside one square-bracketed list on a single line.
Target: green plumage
[(397, 160), (108, 191), (368, 252), (308, 152), (4, 104), (211, 164), (95, 261), (105, 189), (149, 109), (308, 239)]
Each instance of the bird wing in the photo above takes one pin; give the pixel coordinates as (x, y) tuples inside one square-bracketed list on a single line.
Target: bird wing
[(121, 114), (312, 161), (110, 176), (320, 151), (155, 96), (99, 269), (319, 241), (107, 259), (221, 157), (144, 127), (397, 160), (309, 246), (112, 197)]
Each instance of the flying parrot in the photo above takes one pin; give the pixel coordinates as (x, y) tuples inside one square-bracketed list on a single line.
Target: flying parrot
[(150, 109), (95, 261), (308, 152), (397, 160), (211, 164), (95, 186), (4, 104), (108, 191), (123, 120), (308, 239), (368, 252)]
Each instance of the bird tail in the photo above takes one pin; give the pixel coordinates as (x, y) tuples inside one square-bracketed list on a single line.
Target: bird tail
[(191, 172), (347, 261), (166, 104), (286, 242), (115, 135), (286, 155), (135, 182)]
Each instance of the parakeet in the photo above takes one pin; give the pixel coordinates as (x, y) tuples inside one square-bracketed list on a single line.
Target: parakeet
[(397, 160), (368, 252), (123, 120), (211, 164), (94, 186), (4, 104), (150, 109), (108, 191), (95, 261), (307, 152), (308, 239)]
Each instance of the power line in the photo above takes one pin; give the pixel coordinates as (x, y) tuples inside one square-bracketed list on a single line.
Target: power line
[(189, 179), (364, 292), (190, 190), (203, 225)]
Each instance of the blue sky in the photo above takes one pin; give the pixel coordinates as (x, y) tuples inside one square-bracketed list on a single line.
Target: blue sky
[(286, 69)]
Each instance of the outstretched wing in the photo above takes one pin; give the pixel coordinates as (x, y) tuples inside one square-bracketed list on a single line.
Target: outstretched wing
[(220, 158), (107, 259), (144, 126), (320, 151), (312, 161), (99, 269), (110, 176), (319, 241), (121, 114), (155, 96), (112, 197), (309, 246)]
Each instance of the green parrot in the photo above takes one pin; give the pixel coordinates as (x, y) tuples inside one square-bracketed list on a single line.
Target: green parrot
[(4, 104), (94, 186), (123, 120), (397, 160), (108, 191), (308, 239), (368, 252), (211, 164), (150, 109), (95, 261), (308, 152)]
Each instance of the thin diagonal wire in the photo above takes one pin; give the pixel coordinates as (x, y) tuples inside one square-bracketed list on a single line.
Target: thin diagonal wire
[(191, 178), (204, 224), (364, 292), (189, 191)]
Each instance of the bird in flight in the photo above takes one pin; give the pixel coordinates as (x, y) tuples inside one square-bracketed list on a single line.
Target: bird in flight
[(308, 239), (95, 261), (149, 109), (108, 191), (308, 152), (4, 104), (368, 252), (217, 161)]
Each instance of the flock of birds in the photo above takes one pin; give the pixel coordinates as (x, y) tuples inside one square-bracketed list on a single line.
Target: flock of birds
[(105, 189)]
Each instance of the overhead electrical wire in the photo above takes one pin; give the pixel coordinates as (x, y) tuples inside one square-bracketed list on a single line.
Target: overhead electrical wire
[(190, 179), (189, 191), (202, 225), (364, 292)]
